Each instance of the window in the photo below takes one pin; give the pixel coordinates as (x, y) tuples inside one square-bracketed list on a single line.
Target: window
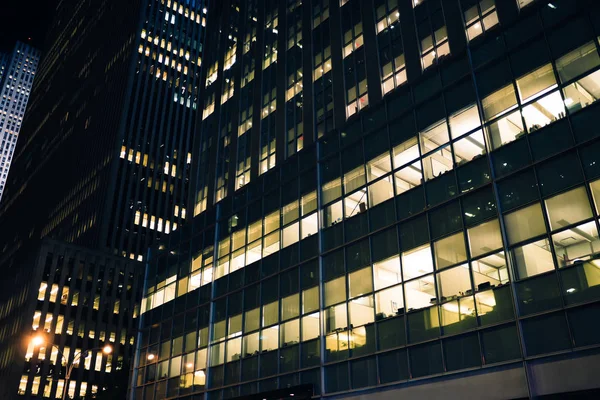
[(387, 272), (533, 258), (485, 238), (525, 223), (454, 282), (577, 62), (389, 302), (568, 208), (417, 262), (420, 293), (450, 251), (389, 39), (480, 17), (433, 40), (577, 244)]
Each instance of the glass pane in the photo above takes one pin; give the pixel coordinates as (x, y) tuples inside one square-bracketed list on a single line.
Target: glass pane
[(577, 62), (544, 111), (310, 327), (420, 293), (434, 137), (485, 238), (557, 338), (525, 223), (469, 148), (381, 191), (494, 306), (417, 262), (505, 130), (458, 315), (582, 93), (408, 177), (336, 318), (499, 102), (389, 302), (450, 251), (568, 208), (387, 272), (426, 360), (335, 291), (354, 179), (533, 258), (581, 282), (355, 203), (361, 311), (406, 152), (454, 282), (379, 166), (536, 83), (500, 344), (464, 121), (489, 271), (438, 163), (462, 352), (360, 282)]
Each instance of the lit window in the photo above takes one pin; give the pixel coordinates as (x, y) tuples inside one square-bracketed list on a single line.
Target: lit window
[(480, 17)]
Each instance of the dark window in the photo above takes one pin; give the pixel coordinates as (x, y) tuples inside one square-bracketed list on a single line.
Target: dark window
[(462, 352), (390, 333), (426, 360), (500, 344), (393, 366), (585, 324), (518, 190), (364, 372), (559, 173), (538, 294), (336, 378), (546, 334)]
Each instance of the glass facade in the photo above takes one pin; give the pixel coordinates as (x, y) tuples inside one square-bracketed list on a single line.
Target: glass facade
[(446, 226)]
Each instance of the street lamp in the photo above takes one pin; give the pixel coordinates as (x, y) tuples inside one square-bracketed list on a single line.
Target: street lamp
[(38, 341)]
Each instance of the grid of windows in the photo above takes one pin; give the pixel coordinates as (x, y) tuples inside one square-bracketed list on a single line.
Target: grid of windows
[(440, 231)]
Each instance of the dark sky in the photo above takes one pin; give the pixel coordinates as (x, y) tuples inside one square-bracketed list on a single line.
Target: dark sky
[(24, 19)]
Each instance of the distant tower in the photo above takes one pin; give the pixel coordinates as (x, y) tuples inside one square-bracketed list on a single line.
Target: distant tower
[(17, 71)]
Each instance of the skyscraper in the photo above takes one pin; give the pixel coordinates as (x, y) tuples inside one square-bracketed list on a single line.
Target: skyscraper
[(17, 71), (101, 171), (394, 199)]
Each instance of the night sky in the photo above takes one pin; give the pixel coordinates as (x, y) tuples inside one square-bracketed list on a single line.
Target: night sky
[(24, 20)]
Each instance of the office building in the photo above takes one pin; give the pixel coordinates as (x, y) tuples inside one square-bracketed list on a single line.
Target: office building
[(394, 199), (17, 71), (103, 164)]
